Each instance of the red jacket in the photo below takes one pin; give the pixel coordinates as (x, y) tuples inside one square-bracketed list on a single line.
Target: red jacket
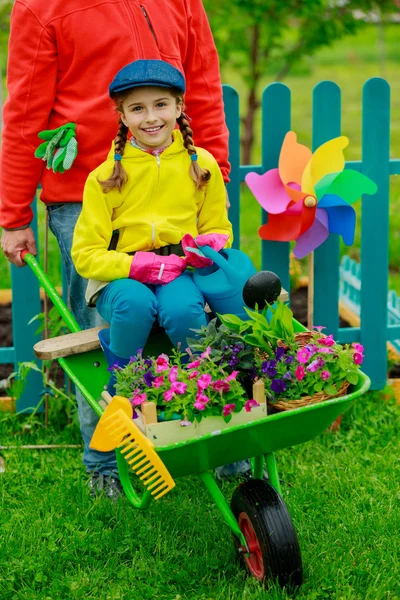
[(62, 56)]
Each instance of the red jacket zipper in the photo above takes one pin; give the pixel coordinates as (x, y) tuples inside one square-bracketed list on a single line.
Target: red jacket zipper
[(134, 28), (146, 16)]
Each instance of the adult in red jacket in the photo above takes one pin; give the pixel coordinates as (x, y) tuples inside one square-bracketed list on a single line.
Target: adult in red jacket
[(62, 57)]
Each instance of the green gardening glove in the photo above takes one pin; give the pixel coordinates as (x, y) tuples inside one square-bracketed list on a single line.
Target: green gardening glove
[(60, 147)]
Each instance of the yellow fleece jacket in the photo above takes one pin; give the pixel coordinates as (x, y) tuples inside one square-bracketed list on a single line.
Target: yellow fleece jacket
[(157, 206)]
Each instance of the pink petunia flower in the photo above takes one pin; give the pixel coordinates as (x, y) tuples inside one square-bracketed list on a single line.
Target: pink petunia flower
[(206, 352), (204, 381), (158, 381), (162, 362), (173, 374), (303, 355), (358, 358), (185, 423), (300, 373), (194, 364), (358, 347), (250, 404), (325, 375), (179, 387), (325, 350), (199, 405), (200, 397), (327, 341), (193, 374), (232, 376), (168, 395), (138, 398), (221, 386), (228, 409)]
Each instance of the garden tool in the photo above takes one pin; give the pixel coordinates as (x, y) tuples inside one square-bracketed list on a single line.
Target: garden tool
[(232, 282), (116, 429), (60, 147), (111, 358)]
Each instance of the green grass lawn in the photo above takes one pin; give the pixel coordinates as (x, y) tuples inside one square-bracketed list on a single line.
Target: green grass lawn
[(341, 490)]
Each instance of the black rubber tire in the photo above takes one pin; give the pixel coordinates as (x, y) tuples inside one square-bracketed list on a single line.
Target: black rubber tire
[(279, 557)]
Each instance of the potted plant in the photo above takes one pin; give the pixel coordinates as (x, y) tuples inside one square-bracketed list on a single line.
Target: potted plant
[(297, 368), (191, 398)]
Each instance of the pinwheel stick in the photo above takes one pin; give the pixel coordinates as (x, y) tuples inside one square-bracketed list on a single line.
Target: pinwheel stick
[(310, 295)]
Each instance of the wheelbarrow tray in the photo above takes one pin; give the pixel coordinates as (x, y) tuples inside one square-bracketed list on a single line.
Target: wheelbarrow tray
[(221, 446)]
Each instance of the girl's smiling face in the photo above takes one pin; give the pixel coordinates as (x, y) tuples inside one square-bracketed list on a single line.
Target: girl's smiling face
[(150, 113)]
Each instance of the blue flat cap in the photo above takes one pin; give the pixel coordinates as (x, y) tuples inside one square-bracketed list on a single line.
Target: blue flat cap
[(147, 72)]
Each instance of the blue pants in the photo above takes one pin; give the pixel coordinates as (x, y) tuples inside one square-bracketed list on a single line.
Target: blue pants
[(131, 308)]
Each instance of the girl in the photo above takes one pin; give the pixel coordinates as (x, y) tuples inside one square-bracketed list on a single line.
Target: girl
[(152, 190)]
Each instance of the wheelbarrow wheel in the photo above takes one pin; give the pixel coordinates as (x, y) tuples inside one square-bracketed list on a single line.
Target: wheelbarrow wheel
[(268, 529)]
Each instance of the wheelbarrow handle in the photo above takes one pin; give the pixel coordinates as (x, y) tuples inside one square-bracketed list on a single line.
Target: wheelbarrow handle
[(51, 291)]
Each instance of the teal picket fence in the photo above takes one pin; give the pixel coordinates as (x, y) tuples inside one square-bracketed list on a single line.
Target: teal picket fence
[(374, 330)]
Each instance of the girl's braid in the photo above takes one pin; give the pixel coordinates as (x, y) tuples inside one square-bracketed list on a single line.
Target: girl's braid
[(200, 176), (119, 176)]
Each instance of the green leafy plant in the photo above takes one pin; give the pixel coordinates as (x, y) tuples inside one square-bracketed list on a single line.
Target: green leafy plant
[(261, 332)]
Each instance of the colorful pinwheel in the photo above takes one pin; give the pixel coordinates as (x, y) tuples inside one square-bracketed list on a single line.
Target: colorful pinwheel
[(309, 195)]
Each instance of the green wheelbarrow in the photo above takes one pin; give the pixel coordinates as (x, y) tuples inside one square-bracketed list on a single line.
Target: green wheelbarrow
[(264, 536)]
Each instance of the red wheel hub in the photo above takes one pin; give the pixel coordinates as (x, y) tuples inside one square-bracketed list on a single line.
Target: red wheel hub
[(254, 560)]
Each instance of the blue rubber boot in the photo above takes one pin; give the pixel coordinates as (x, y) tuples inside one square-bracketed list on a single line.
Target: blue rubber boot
[(111, 358)]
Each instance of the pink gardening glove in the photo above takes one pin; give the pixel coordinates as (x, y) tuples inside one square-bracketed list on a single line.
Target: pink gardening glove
[(194, 258), (148, 267)]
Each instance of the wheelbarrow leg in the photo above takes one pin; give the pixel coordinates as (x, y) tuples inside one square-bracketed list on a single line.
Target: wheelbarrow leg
[(223, 506), (273, 472), (257, 466)]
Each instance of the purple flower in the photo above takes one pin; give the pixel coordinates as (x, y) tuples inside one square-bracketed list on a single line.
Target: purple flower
[(325, 350), (278, 386), (289, 360), (185, 423), (269, 368), (132, 359), (114, 367), (312, 348), (148, 362), (315, 365), (279, 353), (149, 378), (233, 361), (288, 376)]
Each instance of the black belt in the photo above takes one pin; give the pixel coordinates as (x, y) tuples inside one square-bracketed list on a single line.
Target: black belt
[(164, 251)]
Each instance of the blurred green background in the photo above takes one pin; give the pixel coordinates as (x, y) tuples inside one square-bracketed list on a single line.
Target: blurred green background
[(301, 43)]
